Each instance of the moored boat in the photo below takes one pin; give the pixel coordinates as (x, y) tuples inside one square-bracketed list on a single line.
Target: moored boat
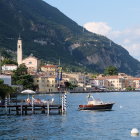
[(94, 104)]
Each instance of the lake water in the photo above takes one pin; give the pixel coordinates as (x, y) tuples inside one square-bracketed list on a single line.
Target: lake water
[(78, 125)]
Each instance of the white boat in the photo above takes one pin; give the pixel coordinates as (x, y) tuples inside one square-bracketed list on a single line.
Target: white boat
[(94, 104)]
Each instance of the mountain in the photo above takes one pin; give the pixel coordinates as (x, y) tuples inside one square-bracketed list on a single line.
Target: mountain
[(49, 35)]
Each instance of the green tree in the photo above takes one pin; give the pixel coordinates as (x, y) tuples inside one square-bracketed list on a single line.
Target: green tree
[(21, 70), (69, 85), (1, 81), (8, 61), (111, 70), (21, 77), (5, 90), (129, 88), (94, 75)]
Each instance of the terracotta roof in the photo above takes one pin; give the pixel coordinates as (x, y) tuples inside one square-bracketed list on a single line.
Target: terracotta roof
[(136, 78), (9, 65), (108, 77), (49, 66), (112, 77)]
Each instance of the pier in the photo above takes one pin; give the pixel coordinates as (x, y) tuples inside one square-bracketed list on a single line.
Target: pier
[(29, 109), (32, 105)]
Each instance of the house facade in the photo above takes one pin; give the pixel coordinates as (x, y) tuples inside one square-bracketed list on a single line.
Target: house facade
[(46, 84), (32, 63), (50, 69), (8, 68), (137, 83)]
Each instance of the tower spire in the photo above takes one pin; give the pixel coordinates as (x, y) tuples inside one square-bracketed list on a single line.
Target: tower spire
[(59, 61), (19, 50), (19, 38)]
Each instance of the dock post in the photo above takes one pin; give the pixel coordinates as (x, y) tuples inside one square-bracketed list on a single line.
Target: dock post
[(17, 113), (65, 102), (43, 110), (48, 108), (9, 111), (21, 109), (62, 98), (25, 110), (32, 104)]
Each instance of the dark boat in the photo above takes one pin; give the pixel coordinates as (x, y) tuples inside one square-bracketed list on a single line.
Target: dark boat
[(94, 104)]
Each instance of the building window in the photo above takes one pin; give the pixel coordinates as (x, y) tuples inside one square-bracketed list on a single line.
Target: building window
[(30, 62)]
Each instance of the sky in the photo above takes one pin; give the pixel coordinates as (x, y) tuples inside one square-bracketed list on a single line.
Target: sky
[(116, 19)]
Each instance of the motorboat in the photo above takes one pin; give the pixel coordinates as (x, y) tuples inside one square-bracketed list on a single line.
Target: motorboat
[(96, 104)]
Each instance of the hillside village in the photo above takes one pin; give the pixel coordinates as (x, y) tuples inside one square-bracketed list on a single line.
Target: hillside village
[(44, 77)]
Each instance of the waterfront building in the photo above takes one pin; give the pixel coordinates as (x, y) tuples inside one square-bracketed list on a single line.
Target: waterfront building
[(70, 79), (80, 77), (117, 82), (111, 82), (114, 82), (46, 84), (129, 82), (100, 82), (137, 83)]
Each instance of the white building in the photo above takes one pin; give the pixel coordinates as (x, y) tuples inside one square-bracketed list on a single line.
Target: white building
[(6, 79), (9, 67), (100, 82)]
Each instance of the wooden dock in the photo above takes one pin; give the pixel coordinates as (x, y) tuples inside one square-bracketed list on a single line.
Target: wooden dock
[(27, 109)]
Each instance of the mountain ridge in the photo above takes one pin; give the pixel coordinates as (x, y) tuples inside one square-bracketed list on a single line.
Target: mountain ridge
[(50, 35)]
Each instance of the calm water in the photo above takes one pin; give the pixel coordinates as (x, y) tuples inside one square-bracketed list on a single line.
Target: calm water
[(78, 125)]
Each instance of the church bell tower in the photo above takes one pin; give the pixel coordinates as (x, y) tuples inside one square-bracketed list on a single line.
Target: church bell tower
[(19, 51)]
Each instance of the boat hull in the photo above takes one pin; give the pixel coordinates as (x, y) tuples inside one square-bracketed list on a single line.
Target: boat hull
[(107, 106)]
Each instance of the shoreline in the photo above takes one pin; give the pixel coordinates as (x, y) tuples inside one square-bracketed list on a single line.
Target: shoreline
[(72, 92)]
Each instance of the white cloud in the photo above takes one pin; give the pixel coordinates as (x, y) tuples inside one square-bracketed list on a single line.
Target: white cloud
[(98, 27), (128, 38)]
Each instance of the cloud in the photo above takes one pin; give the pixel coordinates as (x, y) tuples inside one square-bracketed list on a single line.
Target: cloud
[(98, 27), (128, 38)]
